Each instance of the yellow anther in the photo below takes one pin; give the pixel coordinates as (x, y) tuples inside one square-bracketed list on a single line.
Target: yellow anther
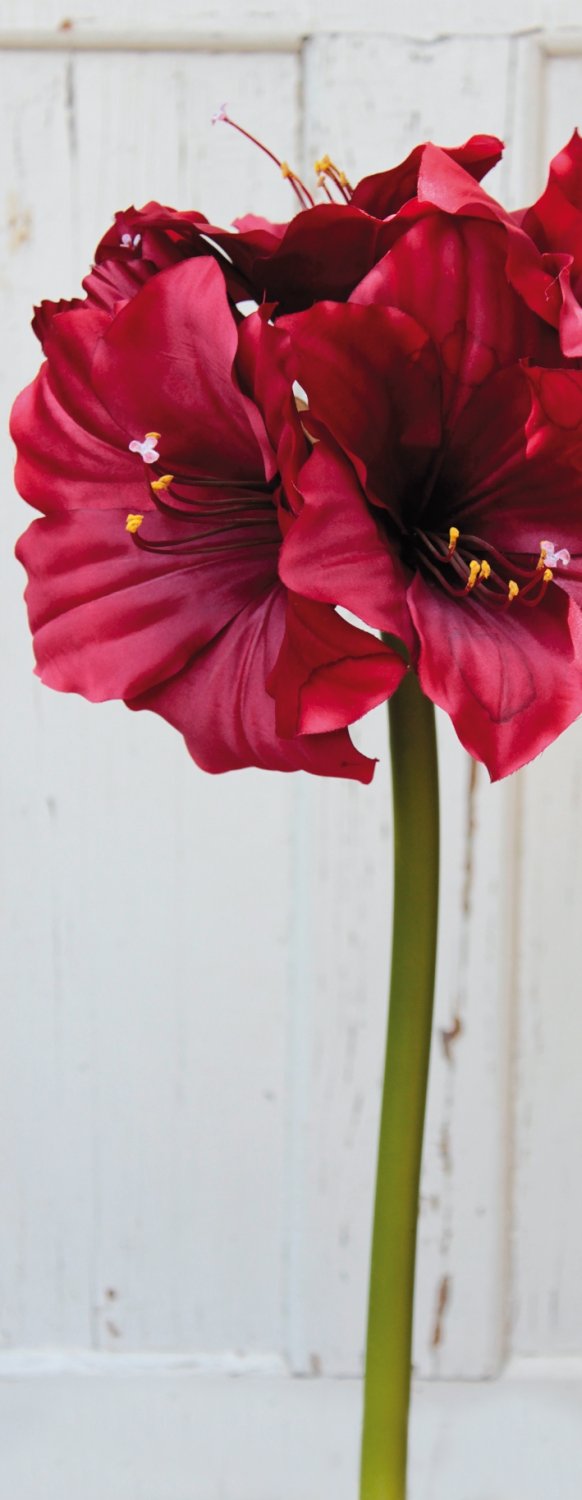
[(454, 535), (154, 435), (323, 164), (343, 180), (485, 569), (474, 571), (548, 575), (512, 589), (162, 483), (286, 170), (542, 556), (133, 523)]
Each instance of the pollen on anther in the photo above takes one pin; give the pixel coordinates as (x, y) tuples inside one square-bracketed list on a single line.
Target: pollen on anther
[(286, 170), (147, 449), (474, 571), (454, 535), (485, 569), (162, 483), (133, 523), (548, 575), (512, 589)]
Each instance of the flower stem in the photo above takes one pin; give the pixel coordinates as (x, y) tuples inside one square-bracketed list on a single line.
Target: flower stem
[(416, 866)]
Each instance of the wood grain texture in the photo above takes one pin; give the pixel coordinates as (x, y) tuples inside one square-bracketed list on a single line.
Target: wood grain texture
[(146, 906), (194, 971), (134, 1432), (272, 18)]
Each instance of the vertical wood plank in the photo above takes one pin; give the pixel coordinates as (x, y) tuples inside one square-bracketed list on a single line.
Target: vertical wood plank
[(547, 1211), (146, 905)]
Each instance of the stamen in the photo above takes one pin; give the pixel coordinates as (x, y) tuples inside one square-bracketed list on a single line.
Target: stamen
[(133, 523), (325, 167), (489, 575), (161, 484), (321, 183), (301, 192), (147, 448), (552, 558)]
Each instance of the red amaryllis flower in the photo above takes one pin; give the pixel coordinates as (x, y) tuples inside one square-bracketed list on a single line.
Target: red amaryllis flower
[(443, 496), (198, 535), (323, 252), (162, 447)]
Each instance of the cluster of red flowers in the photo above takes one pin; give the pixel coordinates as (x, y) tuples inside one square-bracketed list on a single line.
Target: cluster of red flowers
[(394, 431)]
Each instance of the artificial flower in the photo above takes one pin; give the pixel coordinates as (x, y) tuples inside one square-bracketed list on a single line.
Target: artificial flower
[(162, 454), (203, 524), (442, 501)]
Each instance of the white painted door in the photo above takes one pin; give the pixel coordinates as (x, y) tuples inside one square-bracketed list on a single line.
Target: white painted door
[(194, 970)]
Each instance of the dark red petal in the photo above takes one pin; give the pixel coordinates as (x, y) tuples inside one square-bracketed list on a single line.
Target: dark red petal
[(110, 620), (46, 311), (324, 252), (116, 281), (220, 703), (261, 371), (328, 672), (385, 192), (70, 452), (450, 274), (555, 220), (446, 187), (166, 365), (510, 682), (372, 378), (514, 466), (157, 227), (337, 552)]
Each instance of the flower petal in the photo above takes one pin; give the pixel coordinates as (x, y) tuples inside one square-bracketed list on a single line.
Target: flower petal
[(371, 377), (384, 193), (510, 682), (450, 274), (329, 673), (71, 452), (165, 364), (514, 465), (110, 620), (336, 550), (221, 705)]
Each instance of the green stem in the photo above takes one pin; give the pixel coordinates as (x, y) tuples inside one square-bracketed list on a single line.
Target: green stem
[(416, 859)]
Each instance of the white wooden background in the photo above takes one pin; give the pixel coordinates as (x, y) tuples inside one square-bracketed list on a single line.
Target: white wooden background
[(194, 970)]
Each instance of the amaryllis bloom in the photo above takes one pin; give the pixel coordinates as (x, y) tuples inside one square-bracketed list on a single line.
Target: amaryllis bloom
[(442, 500), (396, 433), (323, 252), (162, 445)]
